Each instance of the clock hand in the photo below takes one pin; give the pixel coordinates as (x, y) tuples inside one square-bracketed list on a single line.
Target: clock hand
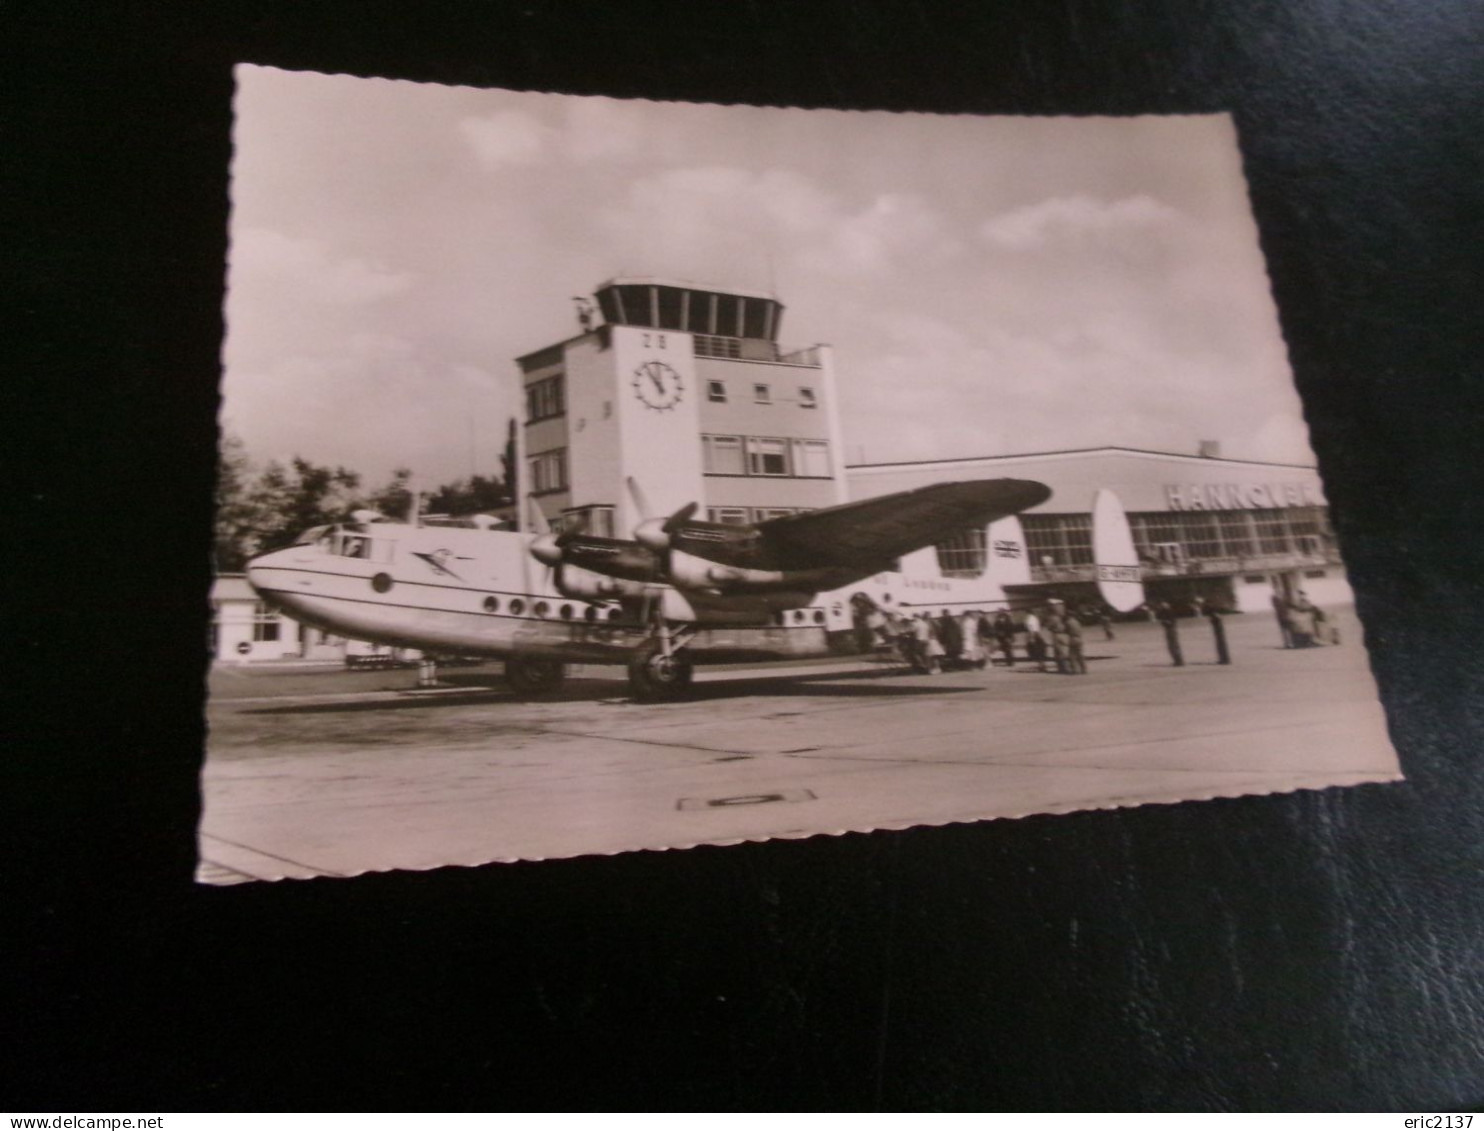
[(658, 384)]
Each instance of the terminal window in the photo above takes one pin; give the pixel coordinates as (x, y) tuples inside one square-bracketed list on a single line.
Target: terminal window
[(732, 516), (716, 391), (962, 554), (722, 455), (545, 399), (766, 456), (762, 394), (811, 459), (1058, 539), (728, 316), (549, 471), (806, 398)]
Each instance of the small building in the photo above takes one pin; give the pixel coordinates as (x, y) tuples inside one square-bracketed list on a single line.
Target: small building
[(246, 629)]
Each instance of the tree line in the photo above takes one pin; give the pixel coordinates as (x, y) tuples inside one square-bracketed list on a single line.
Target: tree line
[(262, 508)]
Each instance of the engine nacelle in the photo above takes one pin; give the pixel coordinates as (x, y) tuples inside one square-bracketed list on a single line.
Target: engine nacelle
[(715, 579), (652, 533), (585, 585)]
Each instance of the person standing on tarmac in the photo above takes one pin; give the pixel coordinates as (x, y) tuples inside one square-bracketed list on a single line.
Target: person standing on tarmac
[(1004, 634), (947, 630), (1055, 626), (971, 647), (1166, 616), (1035, 643), (1076, 660), (1105, 618), (1280, 610), (1218, 633), (926, 645)]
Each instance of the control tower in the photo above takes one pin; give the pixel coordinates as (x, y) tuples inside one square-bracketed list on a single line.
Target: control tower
[(686, 389)]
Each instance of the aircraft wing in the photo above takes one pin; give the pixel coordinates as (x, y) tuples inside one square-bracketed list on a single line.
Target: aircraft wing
[(872, 532)]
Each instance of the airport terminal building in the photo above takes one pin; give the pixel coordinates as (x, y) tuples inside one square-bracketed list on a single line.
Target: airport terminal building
[(1229, 531), (687, 390)]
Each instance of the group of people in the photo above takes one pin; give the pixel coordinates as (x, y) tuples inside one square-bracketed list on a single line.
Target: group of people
[(1053, 634), (932, 643), (1302, 623)]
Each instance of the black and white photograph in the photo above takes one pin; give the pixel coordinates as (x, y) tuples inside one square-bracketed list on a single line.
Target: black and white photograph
[(605, 475)]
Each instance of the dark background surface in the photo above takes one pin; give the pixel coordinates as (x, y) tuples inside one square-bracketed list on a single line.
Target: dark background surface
[(1317, 950)]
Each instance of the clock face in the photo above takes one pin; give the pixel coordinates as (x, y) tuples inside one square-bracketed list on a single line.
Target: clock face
[(657, 385)]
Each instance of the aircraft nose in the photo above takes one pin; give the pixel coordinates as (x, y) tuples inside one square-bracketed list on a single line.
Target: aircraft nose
[(258, 567)]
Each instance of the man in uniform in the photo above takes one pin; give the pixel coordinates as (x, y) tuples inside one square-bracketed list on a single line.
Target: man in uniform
[(1055, 626), (1166, 616), (1076, 661), (1280, 610)]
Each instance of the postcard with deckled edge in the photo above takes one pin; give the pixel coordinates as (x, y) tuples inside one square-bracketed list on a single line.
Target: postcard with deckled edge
[(603, 475)]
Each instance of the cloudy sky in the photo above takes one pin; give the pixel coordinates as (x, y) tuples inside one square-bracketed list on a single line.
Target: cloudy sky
[(990, 285)]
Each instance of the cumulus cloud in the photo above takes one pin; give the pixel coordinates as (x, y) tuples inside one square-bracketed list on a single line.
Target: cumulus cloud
[(1068, 217), (506, 137), (394, 402), (308, 271), (697, 217)]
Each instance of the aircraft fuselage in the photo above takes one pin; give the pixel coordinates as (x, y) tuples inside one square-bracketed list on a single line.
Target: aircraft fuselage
[(481, 593)]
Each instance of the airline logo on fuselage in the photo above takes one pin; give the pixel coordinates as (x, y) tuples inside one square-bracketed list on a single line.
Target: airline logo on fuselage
[(438, 561)]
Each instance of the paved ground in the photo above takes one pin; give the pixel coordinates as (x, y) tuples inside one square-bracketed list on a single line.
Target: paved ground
[(317, 771)]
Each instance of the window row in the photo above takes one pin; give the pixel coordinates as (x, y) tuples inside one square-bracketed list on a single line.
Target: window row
[(765, 455), (545, 398), (716, 393), (548, 471), (743, 516), (1175, 537), (699, 312)]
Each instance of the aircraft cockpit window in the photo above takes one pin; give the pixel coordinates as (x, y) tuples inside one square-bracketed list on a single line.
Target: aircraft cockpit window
[(351, 544), (311, 536)]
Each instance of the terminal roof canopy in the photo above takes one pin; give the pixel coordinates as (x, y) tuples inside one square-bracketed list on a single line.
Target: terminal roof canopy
[(663, 305)]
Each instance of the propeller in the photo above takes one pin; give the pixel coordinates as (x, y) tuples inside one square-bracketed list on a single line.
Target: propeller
[(546, 547), (655, 532)]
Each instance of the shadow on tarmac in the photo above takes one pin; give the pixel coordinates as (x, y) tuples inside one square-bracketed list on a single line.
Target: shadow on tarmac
[(494, 693)]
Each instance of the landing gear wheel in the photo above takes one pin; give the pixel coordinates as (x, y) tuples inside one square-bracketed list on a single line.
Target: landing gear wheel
[(655, 677), (534, 677)]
